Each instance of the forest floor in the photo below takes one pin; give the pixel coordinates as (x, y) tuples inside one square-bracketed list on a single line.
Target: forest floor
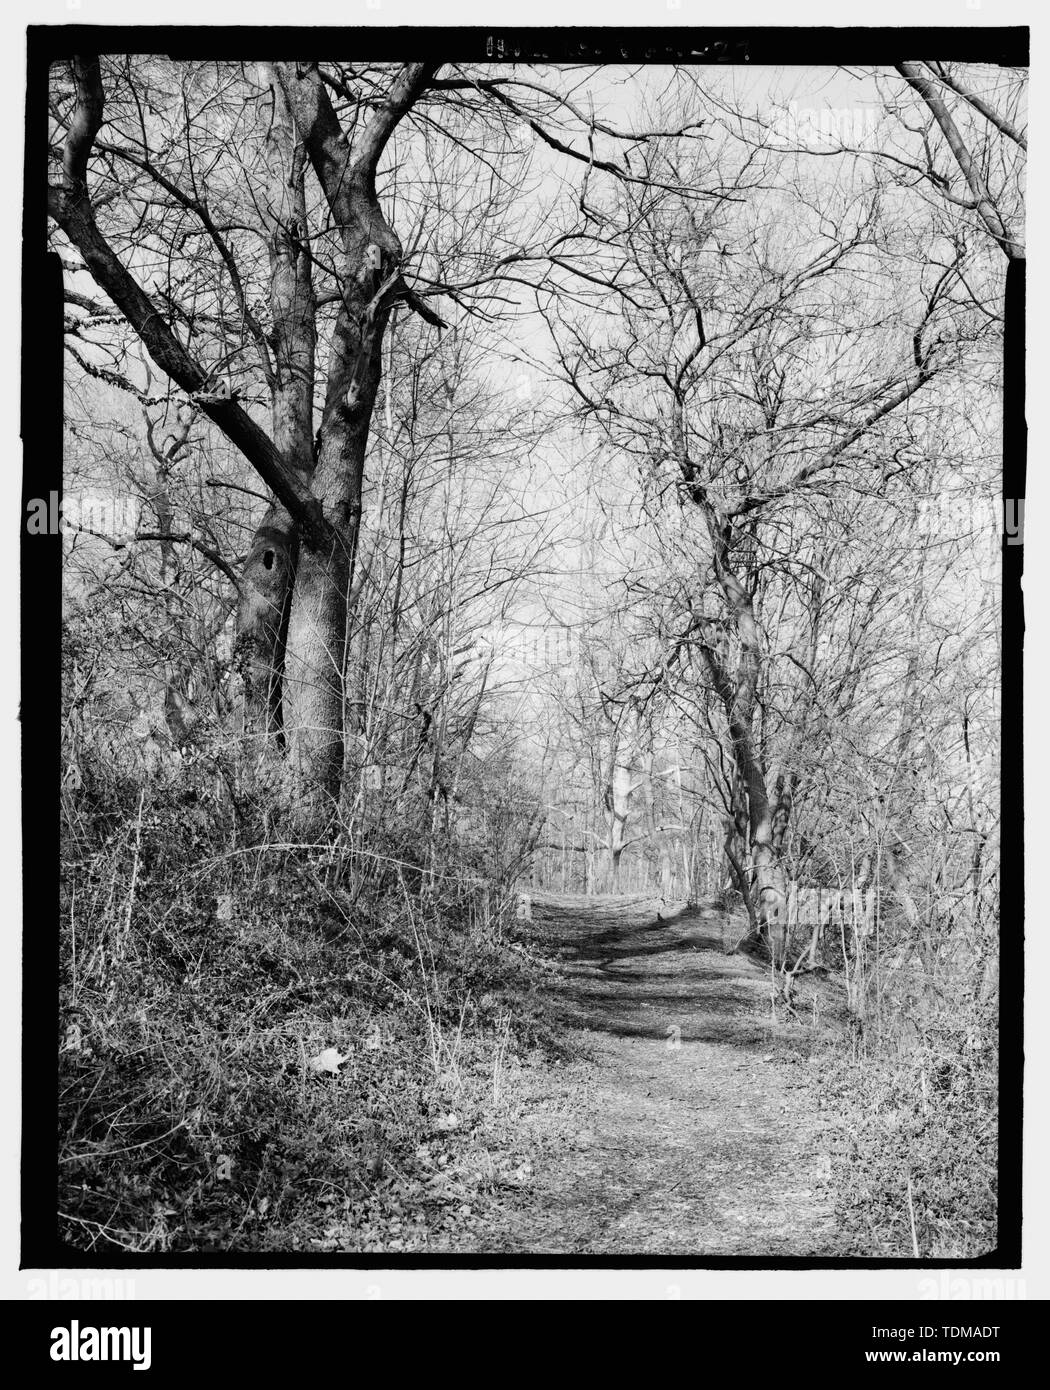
[(688, 1120)]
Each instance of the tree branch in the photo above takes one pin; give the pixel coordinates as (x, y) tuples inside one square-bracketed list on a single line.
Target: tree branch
[(70, 207), (980, 105), (1012, 247)]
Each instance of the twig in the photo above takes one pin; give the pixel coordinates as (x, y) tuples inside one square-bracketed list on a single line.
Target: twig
[(911, 1218), (134, 867)]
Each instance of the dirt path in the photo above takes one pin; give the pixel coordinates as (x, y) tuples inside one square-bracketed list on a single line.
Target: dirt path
[(698, 1128)]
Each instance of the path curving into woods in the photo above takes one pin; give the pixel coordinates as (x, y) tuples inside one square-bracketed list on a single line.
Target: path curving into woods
[(697, 1125)]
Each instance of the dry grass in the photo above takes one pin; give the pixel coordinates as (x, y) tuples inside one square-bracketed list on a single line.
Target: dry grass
[(198, 984)]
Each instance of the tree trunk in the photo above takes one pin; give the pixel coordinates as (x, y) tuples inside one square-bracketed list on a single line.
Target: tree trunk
[(738, 697), (316, 653), (327, 518), (619, 791), (370, 282), (269, 571)]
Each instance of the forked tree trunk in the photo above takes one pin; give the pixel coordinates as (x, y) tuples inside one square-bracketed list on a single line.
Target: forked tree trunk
[(327, 516), (370, 283), (269, 571), (316, 652)]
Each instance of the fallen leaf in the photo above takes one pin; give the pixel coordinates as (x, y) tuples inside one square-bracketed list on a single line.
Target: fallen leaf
[(330, 1060)]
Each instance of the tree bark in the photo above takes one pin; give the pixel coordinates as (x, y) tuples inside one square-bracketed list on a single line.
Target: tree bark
[(269, 570), (1012, 247), (370, 275), (738, 698)]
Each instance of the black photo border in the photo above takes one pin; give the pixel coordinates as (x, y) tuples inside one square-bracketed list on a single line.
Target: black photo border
[(41, 564)]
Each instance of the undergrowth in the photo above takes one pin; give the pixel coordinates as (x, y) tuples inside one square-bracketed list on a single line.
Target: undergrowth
[(915, 1142), (277, 1049)]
